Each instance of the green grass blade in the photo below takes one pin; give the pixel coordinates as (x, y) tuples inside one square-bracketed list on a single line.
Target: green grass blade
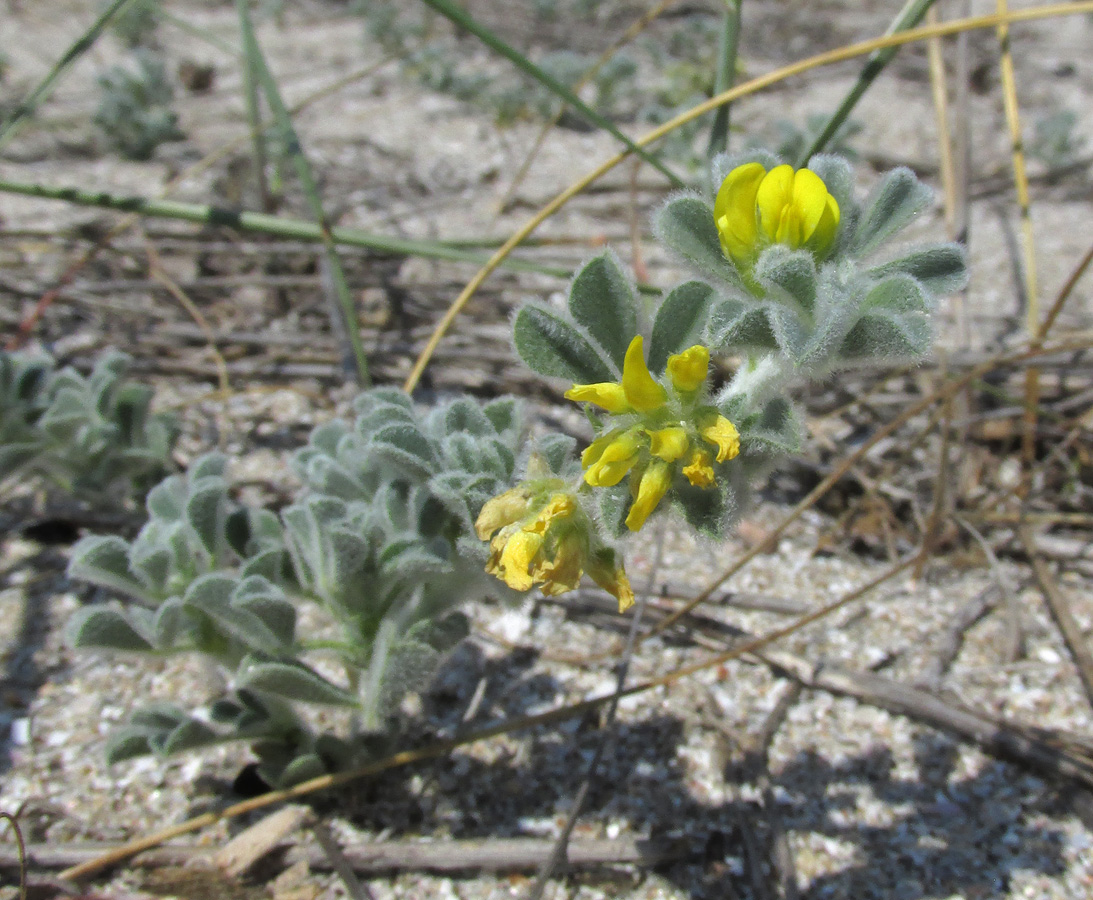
[(78, 48), (262, 223), (459, 16), (295, 152), (909, 17), (725, 76), (254, 119)]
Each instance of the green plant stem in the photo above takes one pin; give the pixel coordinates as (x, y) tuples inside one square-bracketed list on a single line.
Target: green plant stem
[(294, 150), (254, 119), (459, 16), (725, 76), (265, 224), (78, 48), (909, 17)]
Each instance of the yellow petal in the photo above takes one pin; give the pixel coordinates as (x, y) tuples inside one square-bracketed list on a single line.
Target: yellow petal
[(617, 458), (612, 579), (642, 392), (654, 485), (559, 506), (563, 572), (826, 229), (595, 450), (774, 198), (699, 470), (606, 394), (668, 443), (688, 369), (734, 212), (502, 510), (516, 558), (723, 434), (810, 202)]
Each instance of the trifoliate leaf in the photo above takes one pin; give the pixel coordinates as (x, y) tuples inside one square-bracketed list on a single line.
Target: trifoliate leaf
[(105, 629), (890, 206)]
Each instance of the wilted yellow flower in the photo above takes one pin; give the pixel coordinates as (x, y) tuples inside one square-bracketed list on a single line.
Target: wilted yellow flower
[(699, 471), (603, 570), (755, 208), (722, 433), (668, 443)]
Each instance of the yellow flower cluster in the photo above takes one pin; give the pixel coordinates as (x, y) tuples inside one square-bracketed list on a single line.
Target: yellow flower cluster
[(664, 430), (539, 535), (755, 208)]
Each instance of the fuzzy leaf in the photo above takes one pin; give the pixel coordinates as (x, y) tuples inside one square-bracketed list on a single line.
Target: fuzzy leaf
[(882, 335), (167, 500), (680, 322), (213, 595), (127, 743), (703, 508), (302, 768), (170, 622), (777, 430), (602, 301), (206, 514), (104, 561), (788, 276), (190, 735), (891, 205), (406, 446), (464, 415), (105, 629), (941, 268), (294, 682), (503, 413), (685, 224), (735, 325), (558, 450), (552, 346)]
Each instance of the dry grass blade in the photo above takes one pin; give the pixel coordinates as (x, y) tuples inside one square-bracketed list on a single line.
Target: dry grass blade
[(750, 87), (1076, 642), (14, 823)]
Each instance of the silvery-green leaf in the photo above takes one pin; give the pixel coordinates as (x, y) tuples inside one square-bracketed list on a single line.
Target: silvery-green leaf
[(552, 346), (777, 430), (190, 735), (302, 768), (270, 564), (170, 623), (370, 398), (211, 465), (838, 178), (104, 561), (680, 322), (735, 325), (685, 225), (261, 597), (206, 514), (464, 415), (294, 682), (703, 508), (159, 717), (882, 335), (789, 277), (898, 294), (167, 500), (212, 595), (127, 743), (941, 268), (558, 450), (890, 206), (613, 507), (406, 446), (503, 412), (602, 301), (102, 628)]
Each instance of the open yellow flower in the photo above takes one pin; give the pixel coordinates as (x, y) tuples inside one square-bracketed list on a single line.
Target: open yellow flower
[(638, 391), (720, 432), (699, 469), (609, 458), (688, 369), (755, 208)]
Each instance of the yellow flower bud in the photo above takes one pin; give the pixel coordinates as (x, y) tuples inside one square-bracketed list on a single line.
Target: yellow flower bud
[(688, 369), (653, 486)]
